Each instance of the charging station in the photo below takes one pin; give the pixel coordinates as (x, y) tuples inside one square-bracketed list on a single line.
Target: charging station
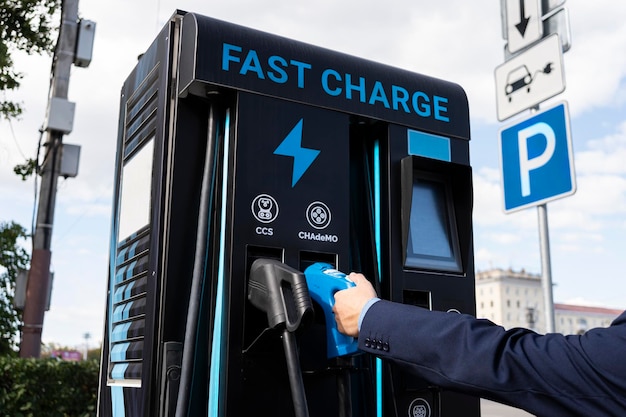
[(250, 170)]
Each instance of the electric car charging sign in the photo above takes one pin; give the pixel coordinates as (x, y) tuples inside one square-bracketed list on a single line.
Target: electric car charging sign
[(537, 159), (533, 76)]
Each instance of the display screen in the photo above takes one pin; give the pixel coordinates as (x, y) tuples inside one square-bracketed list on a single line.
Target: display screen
[(136, 189), (432, 238)]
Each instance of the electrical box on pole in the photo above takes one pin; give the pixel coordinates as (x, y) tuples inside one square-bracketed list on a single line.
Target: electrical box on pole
[(60, 115), (84, 43)]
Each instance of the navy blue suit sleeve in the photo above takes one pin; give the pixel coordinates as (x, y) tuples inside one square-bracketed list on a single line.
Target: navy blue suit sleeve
[(547, 375)]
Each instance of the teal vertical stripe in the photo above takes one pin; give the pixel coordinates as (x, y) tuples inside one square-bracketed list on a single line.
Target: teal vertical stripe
[(216, 373), (377, 204), (118, 353), (377, 232), (133, 248), (120, 332), (131, 269), (117, 401), (428, 145), (119, 370)]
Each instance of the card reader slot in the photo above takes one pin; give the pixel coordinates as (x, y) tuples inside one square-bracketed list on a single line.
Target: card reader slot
[(308, 258), (417, 298), (267, 252)]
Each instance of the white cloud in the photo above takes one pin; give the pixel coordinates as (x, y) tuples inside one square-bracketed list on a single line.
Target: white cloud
[(594, 66), (605, 155), (504, 238), (601, 185)]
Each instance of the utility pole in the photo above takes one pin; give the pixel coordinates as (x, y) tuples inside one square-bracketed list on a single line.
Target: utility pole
[(39, 274)]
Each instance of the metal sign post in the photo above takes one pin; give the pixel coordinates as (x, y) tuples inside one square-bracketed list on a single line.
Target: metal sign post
[(536, 153), (546, 266)]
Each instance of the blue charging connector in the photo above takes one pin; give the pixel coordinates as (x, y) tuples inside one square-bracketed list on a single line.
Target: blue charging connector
[(323, 282)]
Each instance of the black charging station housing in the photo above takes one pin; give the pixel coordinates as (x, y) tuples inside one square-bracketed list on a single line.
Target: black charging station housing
[(236, 145)]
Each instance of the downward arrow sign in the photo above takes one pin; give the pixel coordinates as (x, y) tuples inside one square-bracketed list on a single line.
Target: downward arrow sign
[(523, 24)]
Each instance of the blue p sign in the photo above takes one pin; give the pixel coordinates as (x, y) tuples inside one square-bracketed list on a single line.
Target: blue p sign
[(537, 159)]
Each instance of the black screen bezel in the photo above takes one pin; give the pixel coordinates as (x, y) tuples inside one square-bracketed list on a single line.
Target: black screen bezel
[(411, 173)]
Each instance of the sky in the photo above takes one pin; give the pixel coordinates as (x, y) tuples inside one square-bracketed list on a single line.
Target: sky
[(454, 40)]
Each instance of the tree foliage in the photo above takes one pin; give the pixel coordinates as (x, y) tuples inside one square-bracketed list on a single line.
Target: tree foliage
[(26, 169), (48, 387), (13, 257), (25, 25)]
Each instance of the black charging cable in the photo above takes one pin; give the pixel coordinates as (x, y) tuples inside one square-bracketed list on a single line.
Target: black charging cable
[(282, 293)]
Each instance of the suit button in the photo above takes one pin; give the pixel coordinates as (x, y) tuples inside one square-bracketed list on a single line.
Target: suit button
[(368, 342), (386, 347), (379, 345)]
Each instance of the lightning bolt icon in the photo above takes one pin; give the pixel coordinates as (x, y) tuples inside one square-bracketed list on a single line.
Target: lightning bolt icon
[(302, 157)]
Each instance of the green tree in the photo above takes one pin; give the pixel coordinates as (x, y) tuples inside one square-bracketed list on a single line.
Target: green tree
[(25, 25), (13, 257)]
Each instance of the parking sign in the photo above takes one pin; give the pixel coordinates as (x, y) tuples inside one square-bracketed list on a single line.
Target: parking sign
[(537, 159)]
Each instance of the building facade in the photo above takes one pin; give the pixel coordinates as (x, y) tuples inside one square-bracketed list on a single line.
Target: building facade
[(515, 299), (574, 319)]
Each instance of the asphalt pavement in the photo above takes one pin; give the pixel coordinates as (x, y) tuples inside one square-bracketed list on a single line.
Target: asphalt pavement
[(492, 409)]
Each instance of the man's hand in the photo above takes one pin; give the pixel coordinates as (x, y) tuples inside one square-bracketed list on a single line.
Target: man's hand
[(350, 302)]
